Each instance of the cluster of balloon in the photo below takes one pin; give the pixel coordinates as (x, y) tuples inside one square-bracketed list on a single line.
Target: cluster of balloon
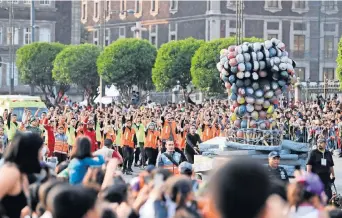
[(255, 76)]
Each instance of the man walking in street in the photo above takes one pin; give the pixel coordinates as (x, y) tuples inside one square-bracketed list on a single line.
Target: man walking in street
[(273, 168), (321, 162)]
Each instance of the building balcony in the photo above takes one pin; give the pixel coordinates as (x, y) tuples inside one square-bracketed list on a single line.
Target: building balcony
[(328, 55)]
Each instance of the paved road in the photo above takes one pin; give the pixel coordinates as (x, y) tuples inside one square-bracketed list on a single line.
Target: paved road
[(338, 173)]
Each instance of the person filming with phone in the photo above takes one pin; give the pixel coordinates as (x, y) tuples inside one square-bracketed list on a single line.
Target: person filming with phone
[(170, 159)]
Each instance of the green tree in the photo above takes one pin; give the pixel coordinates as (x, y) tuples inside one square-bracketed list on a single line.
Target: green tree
[(339, 62), (127, 63), (35, 63), (76, 64), (173, 64), (203, 64)]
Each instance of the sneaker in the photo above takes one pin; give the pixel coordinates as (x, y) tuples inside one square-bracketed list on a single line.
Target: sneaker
[(128, 173), (130, 170), (123, 171)]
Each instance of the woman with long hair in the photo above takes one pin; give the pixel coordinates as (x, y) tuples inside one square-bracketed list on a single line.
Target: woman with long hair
[(21, 159), (81, 160)]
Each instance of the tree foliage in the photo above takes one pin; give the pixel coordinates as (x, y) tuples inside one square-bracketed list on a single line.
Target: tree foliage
[(127, 63), (173, 63), (76, 64), (339, 63), (203, 65), (35, 62)]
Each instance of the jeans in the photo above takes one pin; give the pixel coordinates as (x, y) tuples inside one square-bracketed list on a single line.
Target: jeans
[(139, 154), (61, 157), (128, 157)]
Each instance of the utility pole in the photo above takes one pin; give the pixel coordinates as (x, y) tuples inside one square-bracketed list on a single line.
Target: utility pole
[(11, 36), (33, 18), (239, 21), (102, 37)]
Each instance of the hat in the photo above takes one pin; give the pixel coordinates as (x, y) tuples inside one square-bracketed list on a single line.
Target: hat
[(273, 154), (185, 167), (91, 122), (32, 119)]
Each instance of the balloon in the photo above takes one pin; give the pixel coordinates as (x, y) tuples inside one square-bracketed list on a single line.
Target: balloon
[(240, 99), (233, 62), (244, 124), (233, 117), (255, 115)]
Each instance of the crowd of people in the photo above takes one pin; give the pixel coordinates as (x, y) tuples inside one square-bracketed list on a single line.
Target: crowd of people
[(71, 162)]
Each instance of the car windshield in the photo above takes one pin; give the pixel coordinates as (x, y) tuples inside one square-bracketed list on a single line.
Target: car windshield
[(19, 111)]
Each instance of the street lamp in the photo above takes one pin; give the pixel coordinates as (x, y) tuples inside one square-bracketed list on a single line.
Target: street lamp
[(307, 89)]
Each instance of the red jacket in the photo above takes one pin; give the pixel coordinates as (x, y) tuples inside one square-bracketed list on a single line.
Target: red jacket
[(92, 136), (50, 137)]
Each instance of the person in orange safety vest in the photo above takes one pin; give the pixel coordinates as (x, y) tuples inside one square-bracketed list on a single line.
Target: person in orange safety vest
[(151, 143), (170, 159), (128, 142)]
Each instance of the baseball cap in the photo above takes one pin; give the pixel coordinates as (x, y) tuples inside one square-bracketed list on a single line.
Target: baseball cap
[(273, 154), (185, 167), (33, 119)]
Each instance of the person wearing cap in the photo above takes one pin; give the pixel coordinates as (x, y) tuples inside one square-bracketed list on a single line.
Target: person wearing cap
[(33, 127), (273, 168), (320, 161)]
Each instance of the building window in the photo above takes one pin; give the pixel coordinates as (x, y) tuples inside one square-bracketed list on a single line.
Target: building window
[(223, 29), (273, 5), (107, 37), (299, 26), (15, 75), (300, 4), (122, 32), (15, 36), (45, 2), (14, 1), (44, 35), (300, 72), (27, 36), (298, 46), (107, 8), (173, 31), (154, 35), (208, 5), (27, 2), (123, 5), (329, 7), (96, 37), (137, 6), (153, 5), (173, 4), (96, 10), (84, 11), (329, 73), (153, 40), (272, 35), (329, 46)]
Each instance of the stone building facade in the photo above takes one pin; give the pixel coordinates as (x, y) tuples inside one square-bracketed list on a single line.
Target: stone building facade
[(310, 29), (55, 21)]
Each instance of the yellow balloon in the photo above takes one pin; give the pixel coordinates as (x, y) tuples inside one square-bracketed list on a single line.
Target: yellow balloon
[(274, 116), (233, 117), (270, 109)]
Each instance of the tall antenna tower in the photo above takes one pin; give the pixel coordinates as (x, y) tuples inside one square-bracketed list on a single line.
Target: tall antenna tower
[(239, 21)]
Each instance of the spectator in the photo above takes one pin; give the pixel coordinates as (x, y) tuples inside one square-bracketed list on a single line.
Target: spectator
[(81, 160)]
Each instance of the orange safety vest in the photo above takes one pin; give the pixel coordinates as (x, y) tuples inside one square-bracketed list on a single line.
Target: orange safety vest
[(151, 139), (109, 135), (61, 146), (208, 133), (217, 132), (127, 137), (182, 139), (168, 128)]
